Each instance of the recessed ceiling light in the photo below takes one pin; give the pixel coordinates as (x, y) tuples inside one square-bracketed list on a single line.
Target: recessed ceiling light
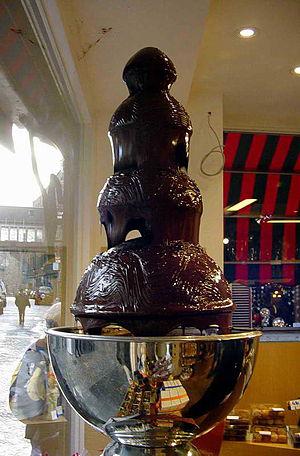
[(284, 221), (296, 70), (247, 32), (241, 204), (225, 241)]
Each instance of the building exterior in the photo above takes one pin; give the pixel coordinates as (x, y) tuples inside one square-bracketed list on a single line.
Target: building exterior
[(25, 258)]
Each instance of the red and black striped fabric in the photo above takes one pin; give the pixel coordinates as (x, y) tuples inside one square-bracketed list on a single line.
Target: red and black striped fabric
[(265, 167)]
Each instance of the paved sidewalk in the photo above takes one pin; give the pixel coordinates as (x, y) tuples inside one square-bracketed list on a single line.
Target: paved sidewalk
[(14, 340)]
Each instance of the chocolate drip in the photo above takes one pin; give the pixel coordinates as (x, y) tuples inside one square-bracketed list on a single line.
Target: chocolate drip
[(163, 279)]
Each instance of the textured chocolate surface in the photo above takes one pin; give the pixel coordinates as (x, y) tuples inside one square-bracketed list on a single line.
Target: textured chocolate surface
[(140, 200), (175, 277), (164, 279), (139, 187), (150, 128)]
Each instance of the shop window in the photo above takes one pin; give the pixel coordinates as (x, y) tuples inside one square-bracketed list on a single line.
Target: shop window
[(262, 239), (38, 143), (4, 234), (30, 235), (22, 235), (59, 233), (13, 234), (32, 270), (39, 235)]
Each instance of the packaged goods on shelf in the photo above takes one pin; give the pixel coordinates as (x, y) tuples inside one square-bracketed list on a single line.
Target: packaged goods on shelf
[(269, 434), (235, 433), (295, 436), (268, 414), (238, 417), (237, 425)]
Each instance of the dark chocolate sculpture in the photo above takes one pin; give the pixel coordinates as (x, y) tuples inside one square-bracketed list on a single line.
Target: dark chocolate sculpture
[(164, 279)]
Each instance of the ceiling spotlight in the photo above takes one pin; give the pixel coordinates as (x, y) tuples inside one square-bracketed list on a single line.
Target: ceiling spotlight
[(296, 70), (247, 32), (225, 241), (241, 204), (284, 221)]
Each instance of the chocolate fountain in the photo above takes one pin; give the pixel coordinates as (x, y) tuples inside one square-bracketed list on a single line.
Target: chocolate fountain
[(148, 385)]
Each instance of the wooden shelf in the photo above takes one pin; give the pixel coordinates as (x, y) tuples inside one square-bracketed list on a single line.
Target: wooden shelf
[(230, 448), (271, 262)]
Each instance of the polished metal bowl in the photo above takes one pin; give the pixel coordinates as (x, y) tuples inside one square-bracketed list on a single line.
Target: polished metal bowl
[(152, 392)]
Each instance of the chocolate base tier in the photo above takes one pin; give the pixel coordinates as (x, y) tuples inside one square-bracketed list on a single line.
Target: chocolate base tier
[(152, 290), (164, 279)]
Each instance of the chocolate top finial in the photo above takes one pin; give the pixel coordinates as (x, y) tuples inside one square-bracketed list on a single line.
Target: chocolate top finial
[(149, 69), (150, 128)]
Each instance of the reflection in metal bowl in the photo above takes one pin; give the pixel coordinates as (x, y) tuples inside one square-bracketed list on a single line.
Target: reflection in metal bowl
[(152, 392)]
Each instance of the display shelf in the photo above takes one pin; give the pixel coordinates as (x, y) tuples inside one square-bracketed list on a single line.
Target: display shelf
[(257, 449), (280, 335), (272, 262), (45, 420)]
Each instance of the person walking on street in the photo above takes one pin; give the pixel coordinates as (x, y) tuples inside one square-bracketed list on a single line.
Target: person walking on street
[(34, 395), (22, 301)]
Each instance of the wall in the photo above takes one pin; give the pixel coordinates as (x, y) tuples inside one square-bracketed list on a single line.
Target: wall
[(276, 380), (203, 140), (276, 377)]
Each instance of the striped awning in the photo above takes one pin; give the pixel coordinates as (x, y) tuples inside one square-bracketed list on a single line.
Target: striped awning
[(265, 167)]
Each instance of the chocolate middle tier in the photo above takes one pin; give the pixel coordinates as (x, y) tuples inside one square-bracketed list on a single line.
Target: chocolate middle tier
[(163, 279)]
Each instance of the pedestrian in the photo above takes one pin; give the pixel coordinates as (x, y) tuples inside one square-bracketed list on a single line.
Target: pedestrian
[(22, 301), (2, 296), (34, 395)]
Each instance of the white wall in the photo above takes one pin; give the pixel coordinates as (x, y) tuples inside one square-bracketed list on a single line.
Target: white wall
[(203, 140)]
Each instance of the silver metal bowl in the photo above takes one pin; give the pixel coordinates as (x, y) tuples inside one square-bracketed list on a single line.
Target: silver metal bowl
[(152, 392)]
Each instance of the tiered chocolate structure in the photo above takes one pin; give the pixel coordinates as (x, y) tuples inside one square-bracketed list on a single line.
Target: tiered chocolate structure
[(164, 279)]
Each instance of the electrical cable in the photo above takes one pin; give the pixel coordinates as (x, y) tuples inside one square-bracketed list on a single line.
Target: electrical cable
[(219, 149)]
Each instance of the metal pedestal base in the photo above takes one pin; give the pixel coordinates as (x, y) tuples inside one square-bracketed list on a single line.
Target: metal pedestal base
[(117, 449)]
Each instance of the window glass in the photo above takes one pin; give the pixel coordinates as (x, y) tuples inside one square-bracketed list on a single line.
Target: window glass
[(31, 285), (39, 235), (4, 234), (13, 234), (39, 135), (31, 235), (22, 235)]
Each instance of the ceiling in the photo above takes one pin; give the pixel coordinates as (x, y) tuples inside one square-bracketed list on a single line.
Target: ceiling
[(201, 38), (173, 26), (259, 91)]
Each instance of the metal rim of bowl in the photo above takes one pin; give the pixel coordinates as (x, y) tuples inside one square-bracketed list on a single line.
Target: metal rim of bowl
[(74, 333)]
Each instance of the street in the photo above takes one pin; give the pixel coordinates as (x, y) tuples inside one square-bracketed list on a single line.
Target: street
[(14, 340)]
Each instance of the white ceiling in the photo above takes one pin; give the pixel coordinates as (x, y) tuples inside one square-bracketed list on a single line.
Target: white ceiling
[(173, 26), (259, 91), (254, 75)]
